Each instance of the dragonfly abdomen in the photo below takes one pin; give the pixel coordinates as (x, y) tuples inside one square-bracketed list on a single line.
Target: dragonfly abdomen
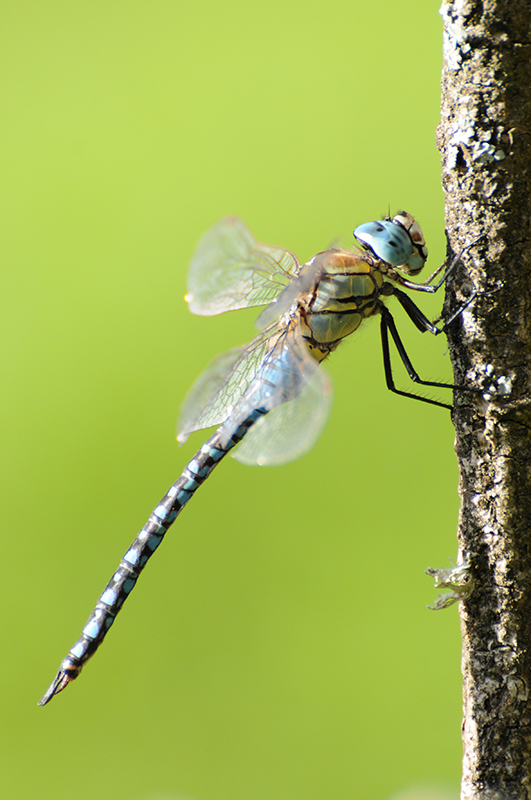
[(143, 547)]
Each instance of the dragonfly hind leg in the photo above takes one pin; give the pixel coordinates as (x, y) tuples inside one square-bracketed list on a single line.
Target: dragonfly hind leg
[(387, 326)]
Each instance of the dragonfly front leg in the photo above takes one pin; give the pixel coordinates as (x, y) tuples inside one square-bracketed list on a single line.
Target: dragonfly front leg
[(427, 286)]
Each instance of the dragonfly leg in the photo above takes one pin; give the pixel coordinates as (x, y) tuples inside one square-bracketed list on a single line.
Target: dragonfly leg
[(421, 321), (387, 326), (427, 286)]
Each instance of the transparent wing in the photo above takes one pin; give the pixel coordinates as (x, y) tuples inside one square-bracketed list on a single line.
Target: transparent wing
[(292, 388), (301, 284), (230, 269), (220, 387), (291, 429), (200, 400)]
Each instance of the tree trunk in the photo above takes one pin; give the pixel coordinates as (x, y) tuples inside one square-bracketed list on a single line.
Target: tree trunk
[(485, 141)]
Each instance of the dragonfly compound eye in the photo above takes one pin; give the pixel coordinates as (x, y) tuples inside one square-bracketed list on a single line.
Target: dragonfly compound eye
[(388, 240)]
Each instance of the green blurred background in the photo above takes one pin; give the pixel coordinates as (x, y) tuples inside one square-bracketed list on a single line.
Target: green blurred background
[(278, 646)]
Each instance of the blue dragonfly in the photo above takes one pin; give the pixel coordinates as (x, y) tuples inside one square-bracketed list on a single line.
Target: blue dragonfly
[(271, 397)]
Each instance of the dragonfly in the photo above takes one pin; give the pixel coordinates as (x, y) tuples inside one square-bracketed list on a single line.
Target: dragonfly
[(270, 399)]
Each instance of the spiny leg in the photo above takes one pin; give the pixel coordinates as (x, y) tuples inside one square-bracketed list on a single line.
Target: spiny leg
[(420, 320), (426, 286), (387, 325)]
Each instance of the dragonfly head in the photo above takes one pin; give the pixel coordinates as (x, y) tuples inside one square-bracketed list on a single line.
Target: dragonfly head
[(398, 241)]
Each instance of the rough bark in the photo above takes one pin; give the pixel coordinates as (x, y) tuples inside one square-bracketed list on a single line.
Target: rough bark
[(485, 142)]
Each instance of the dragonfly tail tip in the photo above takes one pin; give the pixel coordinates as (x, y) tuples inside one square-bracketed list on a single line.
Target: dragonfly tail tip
[(60, 682)]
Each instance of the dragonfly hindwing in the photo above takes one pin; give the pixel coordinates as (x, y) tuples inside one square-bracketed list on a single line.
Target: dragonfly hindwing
[(290, 430)]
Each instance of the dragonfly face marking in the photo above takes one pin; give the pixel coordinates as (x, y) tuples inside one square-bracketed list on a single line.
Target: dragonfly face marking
[(271, 397)]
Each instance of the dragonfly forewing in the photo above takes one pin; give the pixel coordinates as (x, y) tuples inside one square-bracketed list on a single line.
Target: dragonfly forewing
[(231, 269), (300, 286)]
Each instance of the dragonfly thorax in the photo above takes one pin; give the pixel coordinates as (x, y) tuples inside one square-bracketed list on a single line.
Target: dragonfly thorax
[(346, 292)]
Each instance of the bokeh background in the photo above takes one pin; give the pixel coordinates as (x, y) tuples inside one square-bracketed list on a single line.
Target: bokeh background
[(278, 647)]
